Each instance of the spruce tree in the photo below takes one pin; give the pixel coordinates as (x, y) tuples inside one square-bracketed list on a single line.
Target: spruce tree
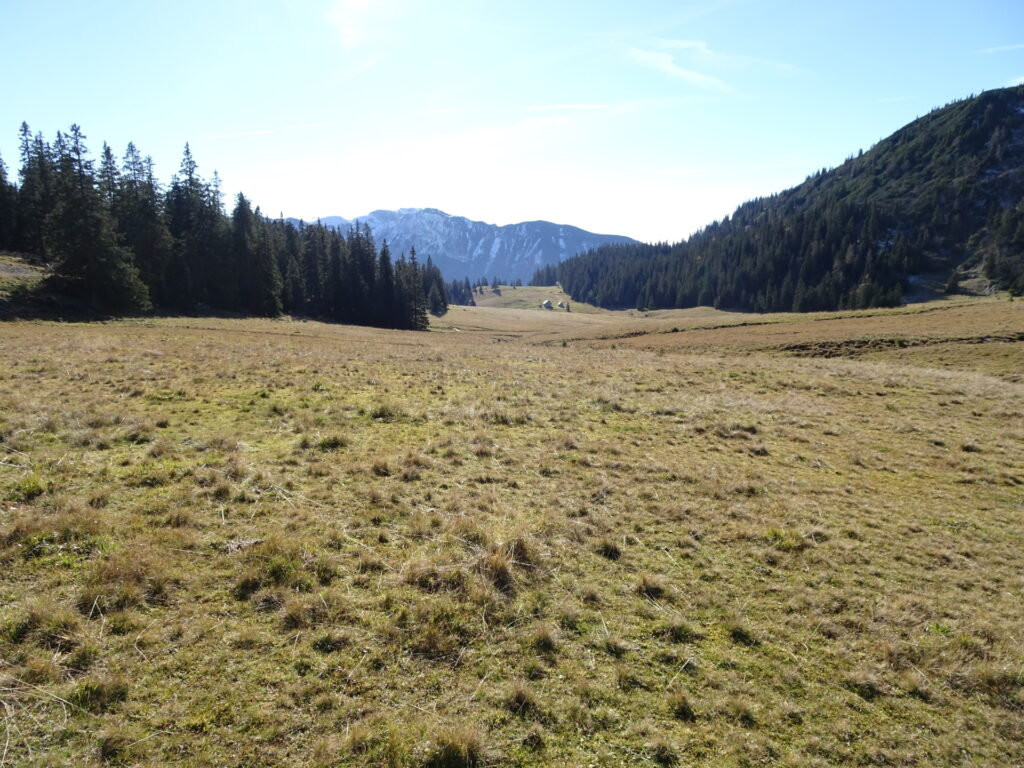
[(259, 282), (200, 263), (138, 208), (35, 192), (385, 296), (416, 302), (80, 235), (8, 210)]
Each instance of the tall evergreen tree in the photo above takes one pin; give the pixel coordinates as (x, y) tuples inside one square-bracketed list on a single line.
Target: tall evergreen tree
[(36, 191), (108, 178), (199, 269), (260, 282), (414, 300), (138, 208), (8, 210), (385, 295), (80, 234)]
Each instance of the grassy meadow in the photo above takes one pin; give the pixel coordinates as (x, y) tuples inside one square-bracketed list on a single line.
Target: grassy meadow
[(524, 538)]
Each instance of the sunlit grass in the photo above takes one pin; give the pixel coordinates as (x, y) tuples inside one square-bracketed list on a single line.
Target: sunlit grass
[(275, 542)]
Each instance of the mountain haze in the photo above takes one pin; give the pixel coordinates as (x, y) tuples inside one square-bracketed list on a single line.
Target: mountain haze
[(463, 248), (943, 194)]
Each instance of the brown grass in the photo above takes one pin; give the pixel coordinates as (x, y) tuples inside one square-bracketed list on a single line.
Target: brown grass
[(782, 541)]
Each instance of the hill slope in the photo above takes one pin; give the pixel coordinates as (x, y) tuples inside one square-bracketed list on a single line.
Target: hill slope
[(943, 192), (463, 248)]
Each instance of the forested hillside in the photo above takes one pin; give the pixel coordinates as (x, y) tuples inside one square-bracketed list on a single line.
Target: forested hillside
[(945, 191), (117, 242)]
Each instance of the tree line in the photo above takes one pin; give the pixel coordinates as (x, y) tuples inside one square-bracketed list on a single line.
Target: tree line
[(943, 193), (120, 243), (838, 257)]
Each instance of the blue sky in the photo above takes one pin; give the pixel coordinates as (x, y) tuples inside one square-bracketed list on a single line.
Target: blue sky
[(645, 118)]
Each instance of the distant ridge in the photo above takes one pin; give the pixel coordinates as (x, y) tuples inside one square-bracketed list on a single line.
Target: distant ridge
[(944, 194), (462, 248)]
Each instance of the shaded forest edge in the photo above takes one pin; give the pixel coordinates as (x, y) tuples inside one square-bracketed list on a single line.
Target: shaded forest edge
[(114, 242), (945, 193)]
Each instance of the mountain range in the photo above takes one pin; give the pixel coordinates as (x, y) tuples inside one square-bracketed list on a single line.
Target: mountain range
[(463, 248)]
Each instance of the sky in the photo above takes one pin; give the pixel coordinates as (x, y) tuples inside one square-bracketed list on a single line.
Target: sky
[(648, 118)]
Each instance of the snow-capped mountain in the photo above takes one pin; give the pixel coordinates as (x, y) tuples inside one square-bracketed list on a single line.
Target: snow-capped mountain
[(465, 248)]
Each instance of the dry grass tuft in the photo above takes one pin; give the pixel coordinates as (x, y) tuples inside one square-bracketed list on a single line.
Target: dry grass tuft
[(456, 747), (543, 639), (681, 708), (608, 548), (652, 586), (99, 693), (726, 554)]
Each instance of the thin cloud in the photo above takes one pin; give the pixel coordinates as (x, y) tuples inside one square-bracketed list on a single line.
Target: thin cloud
[(1002, 48), (702, 53), (664, 63)]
